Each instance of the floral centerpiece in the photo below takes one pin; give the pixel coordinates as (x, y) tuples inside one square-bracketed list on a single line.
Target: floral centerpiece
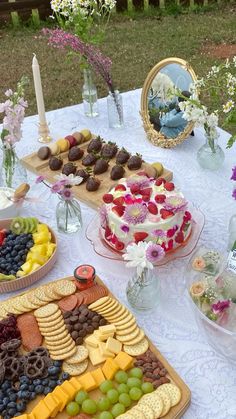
[(14, 111), (142, 290), (68, 211)]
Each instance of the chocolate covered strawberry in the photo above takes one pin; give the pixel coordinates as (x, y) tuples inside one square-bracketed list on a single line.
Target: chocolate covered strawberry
[(92, 184), (95, 145), (84, 174), (122, 156), (109, 150), (89, 159), (117, 172), (101, 166), (69, 168), (135, 162)]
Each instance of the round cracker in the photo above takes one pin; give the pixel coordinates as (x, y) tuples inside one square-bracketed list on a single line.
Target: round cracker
[(57, 341), (126, 325), (154, 401), (79, 356), (61, 357), (128, 337), (56, 346), (65, 287), (50, 291), (46, 311), (41, 295), (137, 339), (165, 399), (50, 333), (117, 316), (57, 337), (137, 413), (51, 322), (68, 351), (26, 304), (99, 303), (53, 317), (125, 318), (127, 415), (75, 369), (125, 331), (173, 391), (137, 349), (147, 410), (51, 327), (111, 309)]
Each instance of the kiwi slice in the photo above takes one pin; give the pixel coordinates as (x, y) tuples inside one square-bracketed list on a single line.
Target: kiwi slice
[(17, 225), (4, 277), (34, 224)]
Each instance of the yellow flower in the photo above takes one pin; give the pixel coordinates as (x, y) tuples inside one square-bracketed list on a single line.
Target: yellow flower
[(197, 289), (199, 264)]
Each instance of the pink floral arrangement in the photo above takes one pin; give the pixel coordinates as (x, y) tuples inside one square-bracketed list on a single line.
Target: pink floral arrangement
[(143, 255), (63, 185), (233, 177)]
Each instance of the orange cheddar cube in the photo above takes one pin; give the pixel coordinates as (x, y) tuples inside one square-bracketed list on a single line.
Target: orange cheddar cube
[(110, 368), (62, 396), (53, 404), (40, 411), (75, 383), (69, 389), (124, 361), (98, 376), (88, 382)]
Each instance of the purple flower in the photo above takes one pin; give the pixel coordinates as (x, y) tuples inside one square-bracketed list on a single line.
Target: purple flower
[(125, 228), (154, 253), (57, 187), (219, 307), (158, 233), (39, 179), (139, 181), (175, 203), (103, 215), (66, 194), (234, 193), (135, 213), (233, 177)]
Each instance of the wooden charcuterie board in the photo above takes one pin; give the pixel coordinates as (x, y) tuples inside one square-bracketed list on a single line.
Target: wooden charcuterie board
[(174, 413)]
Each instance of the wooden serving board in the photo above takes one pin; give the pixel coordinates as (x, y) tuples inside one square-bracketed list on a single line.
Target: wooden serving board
[(93, 199), (175, 412)]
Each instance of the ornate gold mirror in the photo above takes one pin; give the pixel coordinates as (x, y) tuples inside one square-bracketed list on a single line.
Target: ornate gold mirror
[(162, 118)]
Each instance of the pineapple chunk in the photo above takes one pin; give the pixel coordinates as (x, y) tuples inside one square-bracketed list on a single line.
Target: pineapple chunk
[(39, 259), (35, 266), (51, 248), (29, 256), (19, 274), (42, 228), (40, 238), (41, 249), (26, 267)]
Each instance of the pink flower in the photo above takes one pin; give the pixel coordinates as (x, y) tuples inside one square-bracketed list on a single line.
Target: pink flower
[(39, 179), (158, 233), (219, 307), (135, 213), (139, 181), (175, 203), (155, 253), (234, 193), (103, 215), (66, 194), (56, 188), (8, 93), (199, 264), (233, 177), (125, 228)]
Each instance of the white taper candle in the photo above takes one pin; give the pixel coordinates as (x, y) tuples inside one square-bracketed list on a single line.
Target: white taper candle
[(38, 90)]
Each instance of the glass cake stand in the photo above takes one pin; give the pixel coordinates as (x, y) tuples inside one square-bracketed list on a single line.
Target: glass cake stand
[(95, 235)]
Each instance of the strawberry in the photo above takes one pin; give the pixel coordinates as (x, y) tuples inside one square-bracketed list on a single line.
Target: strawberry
[(171, 232), (2, 236), (169, 186), (119, 201), (108, 233), (119, 210), (119, 246), (187, 216), (152, 208), (120, 188), (107, 198), (166, 214), (140, 236), (134, 189), (146, 198), (179, 238), (146, 191), (170, 244), (159, 181), (160, 198)]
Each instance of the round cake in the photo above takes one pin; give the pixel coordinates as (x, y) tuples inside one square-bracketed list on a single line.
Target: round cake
[(145, 209)]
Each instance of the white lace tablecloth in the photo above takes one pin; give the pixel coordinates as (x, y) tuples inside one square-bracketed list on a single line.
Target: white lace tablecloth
[(172, 327)]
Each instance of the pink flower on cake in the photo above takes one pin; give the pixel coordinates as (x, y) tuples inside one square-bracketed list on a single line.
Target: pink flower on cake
[(124, 228), (135, 213), (155, 253), (175, 203), (139, 181), (103, 215), (158, 233)]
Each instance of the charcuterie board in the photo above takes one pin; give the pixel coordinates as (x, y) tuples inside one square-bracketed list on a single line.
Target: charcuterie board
[(59, 294)]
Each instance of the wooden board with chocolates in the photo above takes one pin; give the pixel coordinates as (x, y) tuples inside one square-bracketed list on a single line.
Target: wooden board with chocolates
[(70, 349), (101, 164)]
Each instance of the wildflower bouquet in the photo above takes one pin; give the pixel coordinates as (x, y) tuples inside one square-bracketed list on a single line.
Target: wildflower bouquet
[(143, 255)]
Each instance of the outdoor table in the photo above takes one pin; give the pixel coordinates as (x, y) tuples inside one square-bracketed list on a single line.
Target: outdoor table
[(172, 326)]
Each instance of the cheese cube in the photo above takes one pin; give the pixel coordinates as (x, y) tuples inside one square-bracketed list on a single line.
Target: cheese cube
[(96, 357), (75, 383), (69, 389), (103, 337), (52, 404), (62, 396), (109, 328), (87, 381), (98, 376), (105, 352), (40, 411), (91, 340), (113, 345), (124, 361), (110, 368)]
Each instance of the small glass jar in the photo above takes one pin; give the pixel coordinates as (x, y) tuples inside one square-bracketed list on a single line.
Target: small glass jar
[(68, 215), (143, 290), (115, 110), (210, 155), (89, 95), (232, 232), (13, 172), (85, 276)]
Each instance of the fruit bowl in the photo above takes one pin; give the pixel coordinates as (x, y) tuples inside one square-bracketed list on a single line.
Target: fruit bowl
[(41, 266)]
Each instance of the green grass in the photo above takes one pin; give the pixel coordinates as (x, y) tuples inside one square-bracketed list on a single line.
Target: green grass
[(134, 43)]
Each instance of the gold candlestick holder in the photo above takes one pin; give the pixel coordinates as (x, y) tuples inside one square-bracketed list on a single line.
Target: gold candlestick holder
[(44, 133)]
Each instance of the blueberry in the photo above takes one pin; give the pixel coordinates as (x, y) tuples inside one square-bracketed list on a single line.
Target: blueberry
[(20, 406), (29, 244), (54, 370), (32, 395), (8, 416), (24, 386), (5, 401), (45, 382), (39, 389), (19, 394), (46, 390), (1, 407), (24, 379), (52, 384), (11, 405), (37, 382), (13, 397), (64, 376), (57, 363), (31, 387), (1, 394), (26, 394), (59, 382)]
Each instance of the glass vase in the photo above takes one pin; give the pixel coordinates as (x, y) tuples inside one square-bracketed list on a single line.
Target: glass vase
[(89, 94), (68, 215), (143, 290), (13, 173), (210, 155), (115, 109), (232, 232)]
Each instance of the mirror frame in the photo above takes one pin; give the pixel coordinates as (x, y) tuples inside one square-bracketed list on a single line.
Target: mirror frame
[(154, 136)]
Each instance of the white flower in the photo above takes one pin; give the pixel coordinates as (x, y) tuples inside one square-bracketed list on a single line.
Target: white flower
[(228, 106), (212, 120), (234, 60), (231, 90), (70, 180), (136, 257), (227, 63)]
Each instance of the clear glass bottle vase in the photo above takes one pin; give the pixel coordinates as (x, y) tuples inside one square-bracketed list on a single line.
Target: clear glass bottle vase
[(210, 155), (143, 290), (232, 232), (13, 173), (89, 95), (115, 109), (68, 215)]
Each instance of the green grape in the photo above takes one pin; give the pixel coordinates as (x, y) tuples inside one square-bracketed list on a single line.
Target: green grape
[(125, 399), (121, 377), (81, 396), (147, 387), (105, 386), (135, 393), (122, 388), (113, 396), (103, 404), (136, 372), (89, 406), (117, 409), (134, 382), (105, 415), (72, 409)]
